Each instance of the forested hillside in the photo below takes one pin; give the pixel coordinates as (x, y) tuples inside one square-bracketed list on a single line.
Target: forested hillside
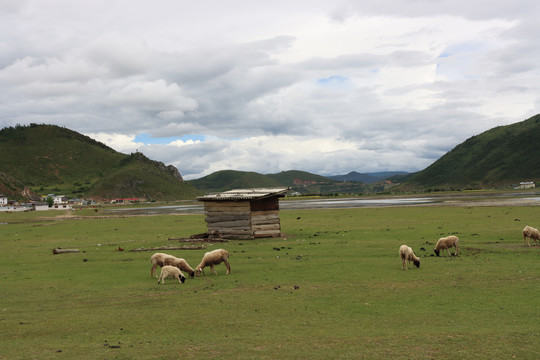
[(52, 159), (499, 157)]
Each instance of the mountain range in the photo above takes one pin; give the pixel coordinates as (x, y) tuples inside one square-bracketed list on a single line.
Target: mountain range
[(42, 159), (368, 178)]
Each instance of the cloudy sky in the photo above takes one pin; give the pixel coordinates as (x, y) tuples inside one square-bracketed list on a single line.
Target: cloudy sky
[(327, 87)]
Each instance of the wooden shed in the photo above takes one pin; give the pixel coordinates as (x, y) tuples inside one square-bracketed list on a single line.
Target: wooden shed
[(244, 213)]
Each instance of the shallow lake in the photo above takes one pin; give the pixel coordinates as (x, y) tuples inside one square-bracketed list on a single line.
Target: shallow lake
[(330, 203)]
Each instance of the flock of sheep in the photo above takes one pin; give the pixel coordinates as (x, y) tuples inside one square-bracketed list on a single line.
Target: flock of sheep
[(172, 266), (407, 255)]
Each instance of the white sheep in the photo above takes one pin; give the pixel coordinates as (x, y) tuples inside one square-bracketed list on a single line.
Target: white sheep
[(157, 260), (530, 233), (213, 258), (171, 271), (180, 264), (407, 255), (445, 243)]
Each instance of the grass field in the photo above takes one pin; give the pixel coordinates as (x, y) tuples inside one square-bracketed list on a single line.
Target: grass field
[(332, 288)]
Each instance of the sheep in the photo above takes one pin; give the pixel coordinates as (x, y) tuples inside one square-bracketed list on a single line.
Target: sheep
[(157, 259), (445, 243), (530, 233), (407, 254), (171, 271), (180, 264), (213, 258), (163, 259)]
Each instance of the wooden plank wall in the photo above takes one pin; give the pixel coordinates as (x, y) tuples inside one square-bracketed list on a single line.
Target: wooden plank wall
[(244, 219), (265, 223), (265, 217), (230, 218)]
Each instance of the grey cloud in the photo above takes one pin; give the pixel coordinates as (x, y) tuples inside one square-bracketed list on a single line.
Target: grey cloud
[(482, 9), (369, 61), (205, 65), (119, 56), (227, 77)]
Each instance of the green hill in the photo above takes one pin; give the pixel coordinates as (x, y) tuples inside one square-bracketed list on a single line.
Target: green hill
[(295, 177), (299, 181), (232, 179), (499, 157), (52, 159), (138, 176)]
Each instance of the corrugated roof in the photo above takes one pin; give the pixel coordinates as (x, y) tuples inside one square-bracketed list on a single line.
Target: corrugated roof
[(245, 194)]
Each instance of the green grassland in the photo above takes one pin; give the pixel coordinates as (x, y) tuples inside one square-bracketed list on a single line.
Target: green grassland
[(331, 288)]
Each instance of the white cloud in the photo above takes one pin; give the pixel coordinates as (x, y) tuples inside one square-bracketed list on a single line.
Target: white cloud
[(272, 154), (120, 142), (327, 87)]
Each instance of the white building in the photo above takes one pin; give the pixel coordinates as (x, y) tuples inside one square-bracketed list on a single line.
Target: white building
[(60, 199), (526, 185), (45, 207), (3, 200)]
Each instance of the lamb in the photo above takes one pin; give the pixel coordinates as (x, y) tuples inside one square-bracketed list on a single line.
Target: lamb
[(530, 233), (180, 264), (171, 271), (407, 254), (445, 243), (213, 258)]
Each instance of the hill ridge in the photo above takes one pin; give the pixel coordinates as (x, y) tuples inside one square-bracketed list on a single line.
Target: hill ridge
[(498, 157), (52, 159)]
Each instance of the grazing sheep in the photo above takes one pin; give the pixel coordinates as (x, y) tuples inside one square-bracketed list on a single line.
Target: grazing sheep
[(171, 271), (445, 243), (213, 258), (157, 260), (407, 254), (530, 233), (180, 264)]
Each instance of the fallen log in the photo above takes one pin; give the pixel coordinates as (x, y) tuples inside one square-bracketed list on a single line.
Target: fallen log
[(64, 251), (170, 248), (198, 240)]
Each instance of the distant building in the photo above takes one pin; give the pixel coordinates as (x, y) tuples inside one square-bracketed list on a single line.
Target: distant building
[(526, 185), (3, 200), (60, 199), (125, 201), (65, 206), (76, 201), (41, 206)]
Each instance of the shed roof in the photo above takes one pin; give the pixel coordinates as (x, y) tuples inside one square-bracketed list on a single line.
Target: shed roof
[(245, 194)]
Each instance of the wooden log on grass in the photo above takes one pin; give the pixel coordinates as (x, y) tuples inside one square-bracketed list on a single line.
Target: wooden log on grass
[(202, 239), (64, 251)]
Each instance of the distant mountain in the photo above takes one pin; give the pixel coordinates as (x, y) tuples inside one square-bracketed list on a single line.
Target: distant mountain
[(298, 178), (299, 181), (496, 158), (51, 159), (43, 159), (224, 180), (232, 179), (367, 178)]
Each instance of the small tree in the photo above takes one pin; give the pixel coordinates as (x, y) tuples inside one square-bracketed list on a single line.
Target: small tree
[(50, 201)]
